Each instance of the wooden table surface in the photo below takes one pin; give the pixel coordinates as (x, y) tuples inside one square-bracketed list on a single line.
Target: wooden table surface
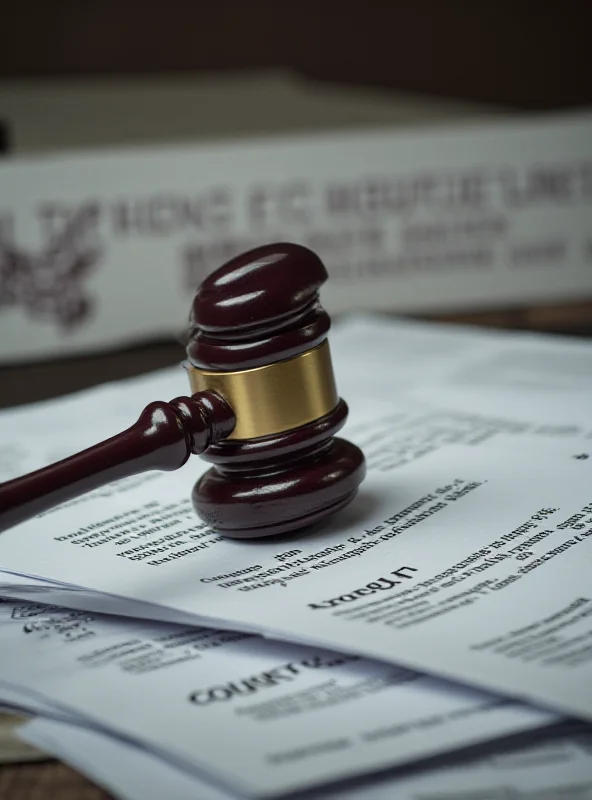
[(47, 780), (50, 780)]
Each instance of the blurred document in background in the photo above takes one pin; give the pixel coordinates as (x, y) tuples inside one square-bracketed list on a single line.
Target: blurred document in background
[(106, 248)]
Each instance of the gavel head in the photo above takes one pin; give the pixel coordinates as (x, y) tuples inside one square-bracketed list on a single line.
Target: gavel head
[(258, 337)]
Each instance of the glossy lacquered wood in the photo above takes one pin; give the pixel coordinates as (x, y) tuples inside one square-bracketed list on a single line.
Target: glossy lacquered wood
[(280, 483), (163, 438), (259, 309)]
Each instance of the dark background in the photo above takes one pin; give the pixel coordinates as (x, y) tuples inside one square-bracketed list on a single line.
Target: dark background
[(531, 55)]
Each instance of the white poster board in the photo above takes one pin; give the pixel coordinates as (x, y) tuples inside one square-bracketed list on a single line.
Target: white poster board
[(104, 249)]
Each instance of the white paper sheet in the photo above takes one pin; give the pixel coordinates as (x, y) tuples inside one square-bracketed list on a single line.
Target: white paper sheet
[(259, 716), (397, 354), (15, 707), (19, 700), (521, 377), (484, 524), (51, 593), (558, 768)]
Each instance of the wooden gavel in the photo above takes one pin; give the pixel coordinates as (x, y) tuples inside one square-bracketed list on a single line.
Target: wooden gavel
[(264, 410)]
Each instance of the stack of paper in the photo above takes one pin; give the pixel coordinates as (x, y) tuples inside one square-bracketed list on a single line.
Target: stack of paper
[(433, 638), (12, 746)]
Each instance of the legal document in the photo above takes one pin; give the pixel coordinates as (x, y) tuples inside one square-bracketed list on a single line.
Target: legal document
[(464, 557), (553, 769), (451, 553), (257, 716)]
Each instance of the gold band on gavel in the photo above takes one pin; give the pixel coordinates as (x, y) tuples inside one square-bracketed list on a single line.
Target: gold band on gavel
[(276, 397)]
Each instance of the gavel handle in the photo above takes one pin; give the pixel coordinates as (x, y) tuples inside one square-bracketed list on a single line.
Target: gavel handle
[(163, 438)]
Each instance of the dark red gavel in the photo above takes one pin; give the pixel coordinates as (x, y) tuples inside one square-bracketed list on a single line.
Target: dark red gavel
[(264, 410)]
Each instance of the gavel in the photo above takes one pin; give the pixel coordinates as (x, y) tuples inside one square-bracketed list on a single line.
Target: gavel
[(264, 410)]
